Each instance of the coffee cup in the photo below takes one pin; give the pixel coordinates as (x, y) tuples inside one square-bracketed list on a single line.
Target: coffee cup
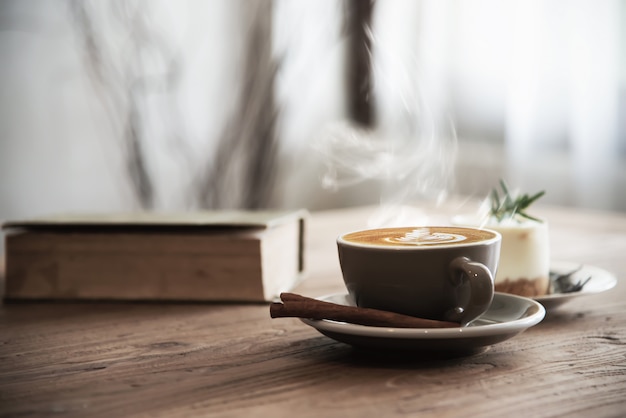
[(436, 272)]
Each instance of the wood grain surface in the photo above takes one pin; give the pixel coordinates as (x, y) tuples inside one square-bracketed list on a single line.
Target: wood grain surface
[(182, 360)]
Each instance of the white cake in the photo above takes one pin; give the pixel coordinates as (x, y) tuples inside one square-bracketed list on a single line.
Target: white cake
[(524, 267)]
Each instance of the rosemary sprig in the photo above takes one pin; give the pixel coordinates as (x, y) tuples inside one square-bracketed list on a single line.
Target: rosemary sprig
[(508, 206)]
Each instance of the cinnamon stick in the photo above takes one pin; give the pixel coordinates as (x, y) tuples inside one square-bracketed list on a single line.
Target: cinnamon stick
[(298, 306)]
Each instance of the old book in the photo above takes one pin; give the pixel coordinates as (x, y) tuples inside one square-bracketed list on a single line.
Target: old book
[(202, 256)]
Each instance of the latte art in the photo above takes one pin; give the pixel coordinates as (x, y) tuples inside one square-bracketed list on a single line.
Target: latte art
[(420, 237), (424, 236)]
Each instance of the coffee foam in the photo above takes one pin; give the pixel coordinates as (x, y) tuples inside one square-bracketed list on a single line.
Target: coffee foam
[(419, 236)]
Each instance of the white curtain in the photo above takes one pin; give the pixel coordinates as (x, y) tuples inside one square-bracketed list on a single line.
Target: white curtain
[(534, 91), (542, 82), (564, 91)]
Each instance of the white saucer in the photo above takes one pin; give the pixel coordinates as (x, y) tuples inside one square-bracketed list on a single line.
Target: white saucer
[(508, 316), (601, 281)]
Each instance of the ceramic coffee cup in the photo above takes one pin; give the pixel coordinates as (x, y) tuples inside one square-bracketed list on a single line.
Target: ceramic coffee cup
[(436, 272)]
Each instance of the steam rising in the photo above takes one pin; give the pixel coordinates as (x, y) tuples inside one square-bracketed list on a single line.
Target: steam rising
[(411, 150), (408, 168)]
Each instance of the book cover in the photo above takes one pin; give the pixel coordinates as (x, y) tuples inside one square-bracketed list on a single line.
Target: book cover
[(198, 256)]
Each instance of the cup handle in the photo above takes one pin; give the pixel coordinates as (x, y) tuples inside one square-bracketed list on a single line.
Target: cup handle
[(481, 289)]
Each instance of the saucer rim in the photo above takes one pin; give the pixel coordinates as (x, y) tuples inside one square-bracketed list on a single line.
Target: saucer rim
[(471, 331)]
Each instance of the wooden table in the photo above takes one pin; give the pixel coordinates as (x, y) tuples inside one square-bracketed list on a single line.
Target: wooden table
[(112, 360)]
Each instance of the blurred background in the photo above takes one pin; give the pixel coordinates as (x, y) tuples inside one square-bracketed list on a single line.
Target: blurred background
[(160, 105)]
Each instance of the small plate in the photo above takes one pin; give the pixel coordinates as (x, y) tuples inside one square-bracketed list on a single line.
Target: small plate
[(508, 316), (601, 281)]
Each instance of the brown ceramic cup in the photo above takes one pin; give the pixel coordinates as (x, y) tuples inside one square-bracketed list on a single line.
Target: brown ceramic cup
[(436, 272)]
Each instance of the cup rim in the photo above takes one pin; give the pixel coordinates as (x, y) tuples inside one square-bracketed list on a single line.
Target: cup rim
[(497, 237)]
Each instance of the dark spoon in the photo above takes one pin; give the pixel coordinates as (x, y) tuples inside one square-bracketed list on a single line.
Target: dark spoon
[(565, 282)]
